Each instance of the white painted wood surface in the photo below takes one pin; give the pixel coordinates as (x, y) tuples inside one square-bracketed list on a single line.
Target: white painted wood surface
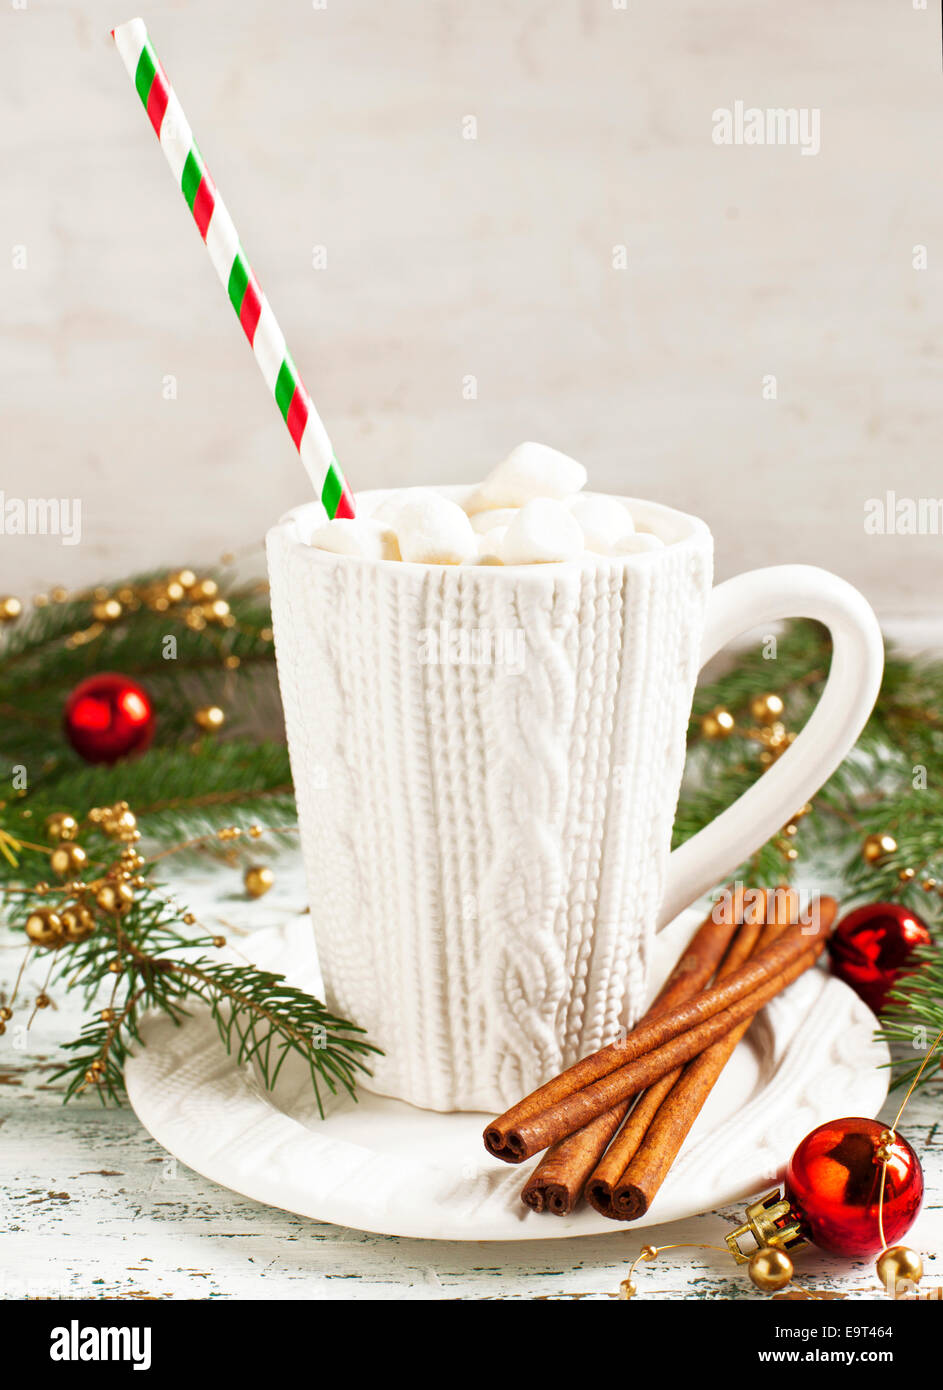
[(92, 1207)]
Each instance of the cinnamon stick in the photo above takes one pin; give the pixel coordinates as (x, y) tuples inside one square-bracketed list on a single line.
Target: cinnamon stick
[(602, 1182), (579, 1107), (614, 1162), (557, 1182), (634, 1167), (653, 1049)]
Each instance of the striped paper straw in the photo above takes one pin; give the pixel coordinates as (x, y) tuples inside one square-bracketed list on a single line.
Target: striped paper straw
[(222, 242)]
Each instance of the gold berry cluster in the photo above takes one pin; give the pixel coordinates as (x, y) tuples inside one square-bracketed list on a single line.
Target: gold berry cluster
[(182, 594), (258, 878), (74, 918), (768, 730)]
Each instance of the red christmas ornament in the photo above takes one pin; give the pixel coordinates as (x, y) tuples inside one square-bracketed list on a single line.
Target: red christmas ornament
[(872, 947), (108, 717), (833, 1183)]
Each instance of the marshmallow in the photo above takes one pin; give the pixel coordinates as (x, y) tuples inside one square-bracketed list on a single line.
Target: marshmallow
[(603, 521), (435, 531), (637, 543), (367, 539), (543, 531), (482, 522), (529, 471), (490, 546), (389, 510), (306, 520)]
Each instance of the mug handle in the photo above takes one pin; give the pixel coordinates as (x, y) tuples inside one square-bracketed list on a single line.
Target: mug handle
[(854, 679)]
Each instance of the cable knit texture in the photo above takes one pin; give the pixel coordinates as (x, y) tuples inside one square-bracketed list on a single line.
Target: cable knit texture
[(487, 764)]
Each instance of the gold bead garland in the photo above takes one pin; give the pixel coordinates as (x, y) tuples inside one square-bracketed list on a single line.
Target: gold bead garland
[(115, 897), (766, 709), (78, 924), (717, 723), (773, 738), (209, 718), (109, 610), (877, 848), (258, 880)]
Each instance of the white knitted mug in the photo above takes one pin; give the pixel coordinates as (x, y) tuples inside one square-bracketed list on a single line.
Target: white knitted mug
[(487, 763)]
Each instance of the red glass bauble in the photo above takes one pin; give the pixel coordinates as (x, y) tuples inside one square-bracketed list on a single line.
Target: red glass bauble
[(108, 717), (872, 947), (834, 1182)]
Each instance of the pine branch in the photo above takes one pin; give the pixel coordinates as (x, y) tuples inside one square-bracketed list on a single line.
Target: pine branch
[(144, 960), (913, 1019), (803, 653), (180, 791), (261, 1018)]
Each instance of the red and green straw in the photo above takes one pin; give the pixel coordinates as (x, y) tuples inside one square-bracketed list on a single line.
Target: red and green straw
[(232, 266)]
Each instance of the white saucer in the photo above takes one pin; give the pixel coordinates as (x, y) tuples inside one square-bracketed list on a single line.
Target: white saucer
[(381, 1165)]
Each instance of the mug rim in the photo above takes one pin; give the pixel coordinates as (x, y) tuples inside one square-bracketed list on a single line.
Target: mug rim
[(695, 533)]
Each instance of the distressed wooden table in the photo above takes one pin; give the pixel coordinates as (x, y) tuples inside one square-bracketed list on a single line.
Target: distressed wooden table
[(92, 1207)]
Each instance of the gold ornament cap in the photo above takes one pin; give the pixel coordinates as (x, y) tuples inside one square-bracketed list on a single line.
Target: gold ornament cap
[(772, 1223)]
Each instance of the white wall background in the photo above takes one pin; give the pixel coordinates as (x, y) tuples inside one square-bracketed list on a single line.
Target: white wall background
[(343, 127)]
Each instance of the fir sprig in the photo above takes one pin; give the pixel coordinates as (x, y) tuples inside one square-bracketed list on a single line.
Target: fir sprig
[(260, 1017), (913, 1017), (263, 1019), (141, 960)]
